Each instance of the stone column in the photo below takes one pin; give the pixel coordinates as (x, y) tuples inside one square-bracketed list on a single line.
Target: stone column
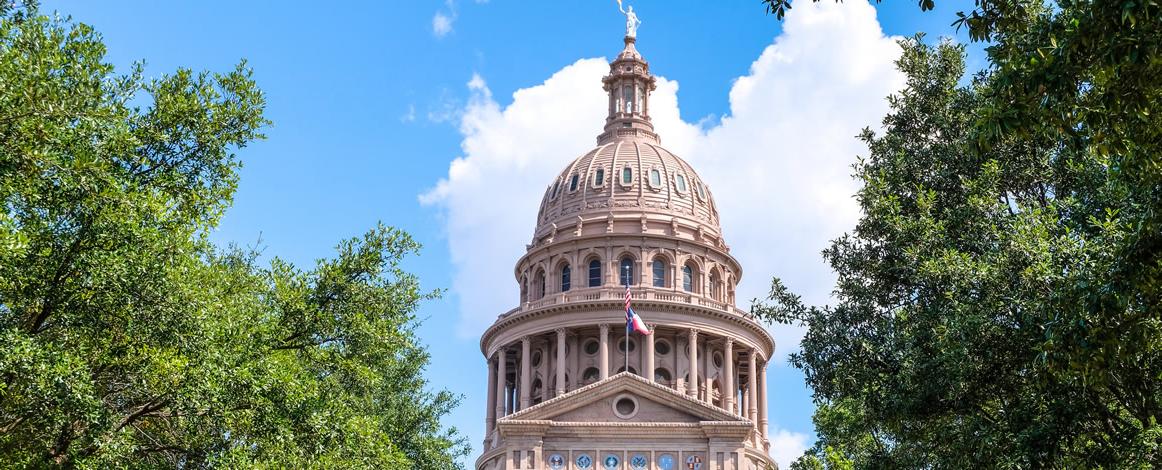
[(752, 388), (560, 362), (574, 359), (490, 408), (728, 376), (742, 402), (525, 371), (501, 385), (603, 358), (648, 373), (693, 345), (509, 406), (763, 400)]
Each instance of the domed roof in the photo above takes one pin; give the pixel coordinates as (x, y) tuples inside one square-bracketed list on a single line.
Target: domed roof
[(628, 175)]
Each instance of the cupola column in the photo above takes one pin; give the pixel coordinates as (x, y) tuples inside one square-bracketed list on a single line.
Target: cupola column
[(560, 389), (604, 354), (693, 382), (728, 376), (525, 371)]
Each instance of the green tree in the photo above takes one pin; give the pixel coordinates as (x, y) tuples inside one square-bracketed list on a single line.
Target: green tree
[(998, 303), (128, 340)]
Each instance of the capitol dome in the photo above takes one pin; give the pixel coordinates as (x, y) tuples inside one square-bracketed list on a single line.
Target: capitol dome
[(627, 226)]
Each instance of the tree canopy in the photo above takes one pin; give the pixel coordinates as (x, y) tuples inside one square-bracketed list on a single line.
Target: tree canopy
[(127, 339), (998, 302)]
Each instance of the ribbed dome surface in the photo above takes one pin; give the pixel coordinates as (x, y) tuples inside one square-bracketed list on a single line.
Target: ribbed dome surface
[(628, 175)]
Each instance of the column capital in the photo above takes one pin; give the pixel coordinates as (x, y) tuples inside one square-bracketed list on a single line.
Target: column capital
[(729, 342), (562, 331), (693, 333), (652, 326), (526, 339), (604, 327)]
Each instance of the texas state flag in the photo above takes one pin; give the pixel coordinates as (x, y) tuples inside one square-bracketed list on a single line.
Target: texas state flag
[(632, 321)]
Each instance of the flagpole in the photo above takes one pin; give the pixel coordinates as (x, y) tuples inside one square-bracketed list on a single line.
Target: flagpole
[(627, 280)]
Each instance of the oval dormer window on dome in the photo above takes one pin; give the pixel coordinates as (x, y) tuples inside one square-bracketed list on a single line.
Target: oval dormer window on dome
[(681, 182), (627, 176), (599, 178), (573, 183), (698, 189), (556, 186), (655, 178)]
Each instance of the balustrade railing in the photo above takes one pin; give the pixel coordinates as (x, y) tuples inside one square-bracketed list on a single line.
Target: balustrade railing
[(638, 293)]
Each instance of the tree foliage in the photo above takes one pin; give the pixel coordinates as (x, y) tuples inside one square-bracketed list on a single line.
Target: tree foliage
[(998, 303), (128, 340)]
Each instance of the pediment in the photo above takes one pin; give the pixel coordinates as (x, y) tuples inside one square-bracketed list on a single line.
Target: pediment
[(598, 402)]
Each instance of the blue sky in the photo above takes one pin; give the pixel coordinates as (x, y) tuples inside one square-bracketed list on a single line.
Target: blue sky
[(370, 105)]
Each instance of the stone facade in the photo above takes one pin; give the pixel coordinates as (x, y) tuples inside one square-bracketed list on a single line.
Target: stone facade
[(559, 393)]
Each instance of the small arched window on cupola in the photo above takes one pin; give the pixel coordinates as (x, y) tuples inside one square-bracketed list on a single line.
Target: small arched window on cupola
[(627, 176), (573, 183), (655, 178), (599, 177), (681, 182)]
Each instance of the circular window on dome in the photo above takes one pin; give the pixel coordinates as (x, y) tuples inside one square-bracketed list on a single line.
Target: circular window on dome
[(718, 359), (625, 406), (591, 347), (621, 345), (537, 358), (662, 348)]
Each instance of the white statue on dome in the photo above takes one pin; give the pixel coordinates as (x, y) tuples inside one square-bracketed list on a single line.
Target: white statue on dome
[(631, 20)]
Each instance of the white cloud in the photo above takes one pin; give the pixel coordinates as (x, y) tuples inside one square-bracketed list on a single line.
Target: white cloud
[(778, 162), (442, 24), (786, 446), (410, 115)]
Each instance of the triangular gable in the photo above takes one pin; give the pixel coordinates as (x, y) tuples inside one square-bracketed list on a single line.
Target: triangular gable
[(624, 382)]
